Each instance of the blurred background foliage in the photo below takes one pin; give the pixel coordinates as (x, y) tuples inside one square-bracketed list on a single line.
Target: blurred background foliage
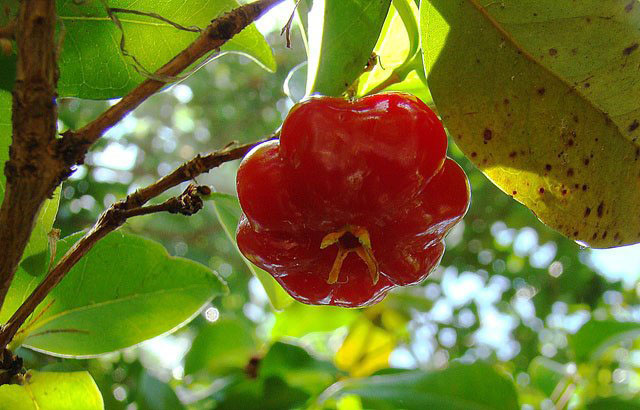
[(547, 316)]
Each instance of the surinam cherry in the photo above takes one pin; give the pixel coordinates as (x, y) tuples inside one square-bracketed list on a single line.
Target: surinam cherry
[(353, 200)]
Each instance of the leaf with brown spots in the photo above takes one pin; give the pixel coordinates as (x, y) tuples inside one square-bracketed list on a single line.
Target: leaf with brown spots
[(576, 145)]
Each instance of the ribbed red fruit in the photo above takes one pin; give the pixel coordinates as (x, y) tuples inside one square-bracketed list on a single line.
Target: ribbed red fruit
[(354, 199)]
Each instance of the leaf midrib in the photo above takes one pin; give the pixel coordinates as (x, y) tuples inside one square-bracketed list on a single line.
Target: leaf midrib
[(524, 53), (106, 19), (49, 319)]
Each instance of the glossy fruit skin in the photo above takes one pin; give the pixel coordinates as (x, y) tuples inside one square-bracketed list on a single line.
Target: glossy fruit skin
[(376, 165)]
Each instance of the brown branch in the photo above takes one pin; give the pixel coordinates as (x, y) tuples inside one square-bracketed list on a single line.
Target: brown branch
[(31, 171), (10, 366), (38, 161), (286, 30), (187, 204), (75, 144), (192, 169)]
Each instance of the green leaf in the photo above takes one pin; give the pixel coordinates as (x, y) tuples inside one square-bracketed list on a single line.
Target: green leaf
[(297, 367), (52, 391), (92, 64), (228, 211), (596, 336), (251, 394), (154, 394), (127, 289), (36, 256), (414, 85), (396, 69), (590, 44), (460, 387), (7, 70), (5, 135), (534, 131), (299, 319), (225, 344), (342, 34), (611, 403)]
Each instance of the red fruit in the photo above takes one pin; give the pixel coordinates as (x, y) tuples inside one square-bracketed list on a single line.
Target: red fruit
[(354, 199)]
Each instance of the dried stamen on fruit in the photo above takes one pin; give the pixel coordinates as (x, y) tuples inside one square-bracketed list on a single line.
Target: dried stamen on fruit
[(351, 239)]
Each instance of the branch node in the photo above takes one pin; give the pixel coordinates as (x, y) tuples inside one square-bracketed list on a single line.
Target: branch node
[(11, 367), (190, 201)]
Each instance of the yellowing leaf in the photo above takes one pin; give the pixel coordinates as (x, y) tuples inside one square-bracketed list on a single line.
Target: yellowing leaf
[(52, 391), (392, 49), (530, 124), (365, 350)]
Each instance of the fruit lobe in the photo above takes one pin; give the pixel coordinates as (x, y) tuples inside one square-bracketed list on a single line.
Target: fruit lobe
[(354, 199)]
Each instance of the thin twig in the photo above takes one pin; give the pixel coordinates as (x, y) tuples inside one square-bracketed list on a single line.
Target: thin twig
[(38, 165), (192, 169), (287, 27), (74, 144), (188, 203)]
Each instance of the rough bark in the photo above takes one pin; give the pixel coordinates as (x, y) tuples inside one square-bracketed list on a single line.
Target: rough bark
[(32, 172)]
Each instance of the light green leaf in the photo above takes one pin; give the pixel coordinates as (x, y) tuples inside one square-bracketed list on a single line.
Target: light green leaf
[(392, 49), (228, 211), (395, 50), (36, 257), (530, 126), (342, 34), (299, 319), (92, 65), (227, 343), (52, 391), (460, 387), (413, 84), (302, 20), (127, 289), (596, 336)]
